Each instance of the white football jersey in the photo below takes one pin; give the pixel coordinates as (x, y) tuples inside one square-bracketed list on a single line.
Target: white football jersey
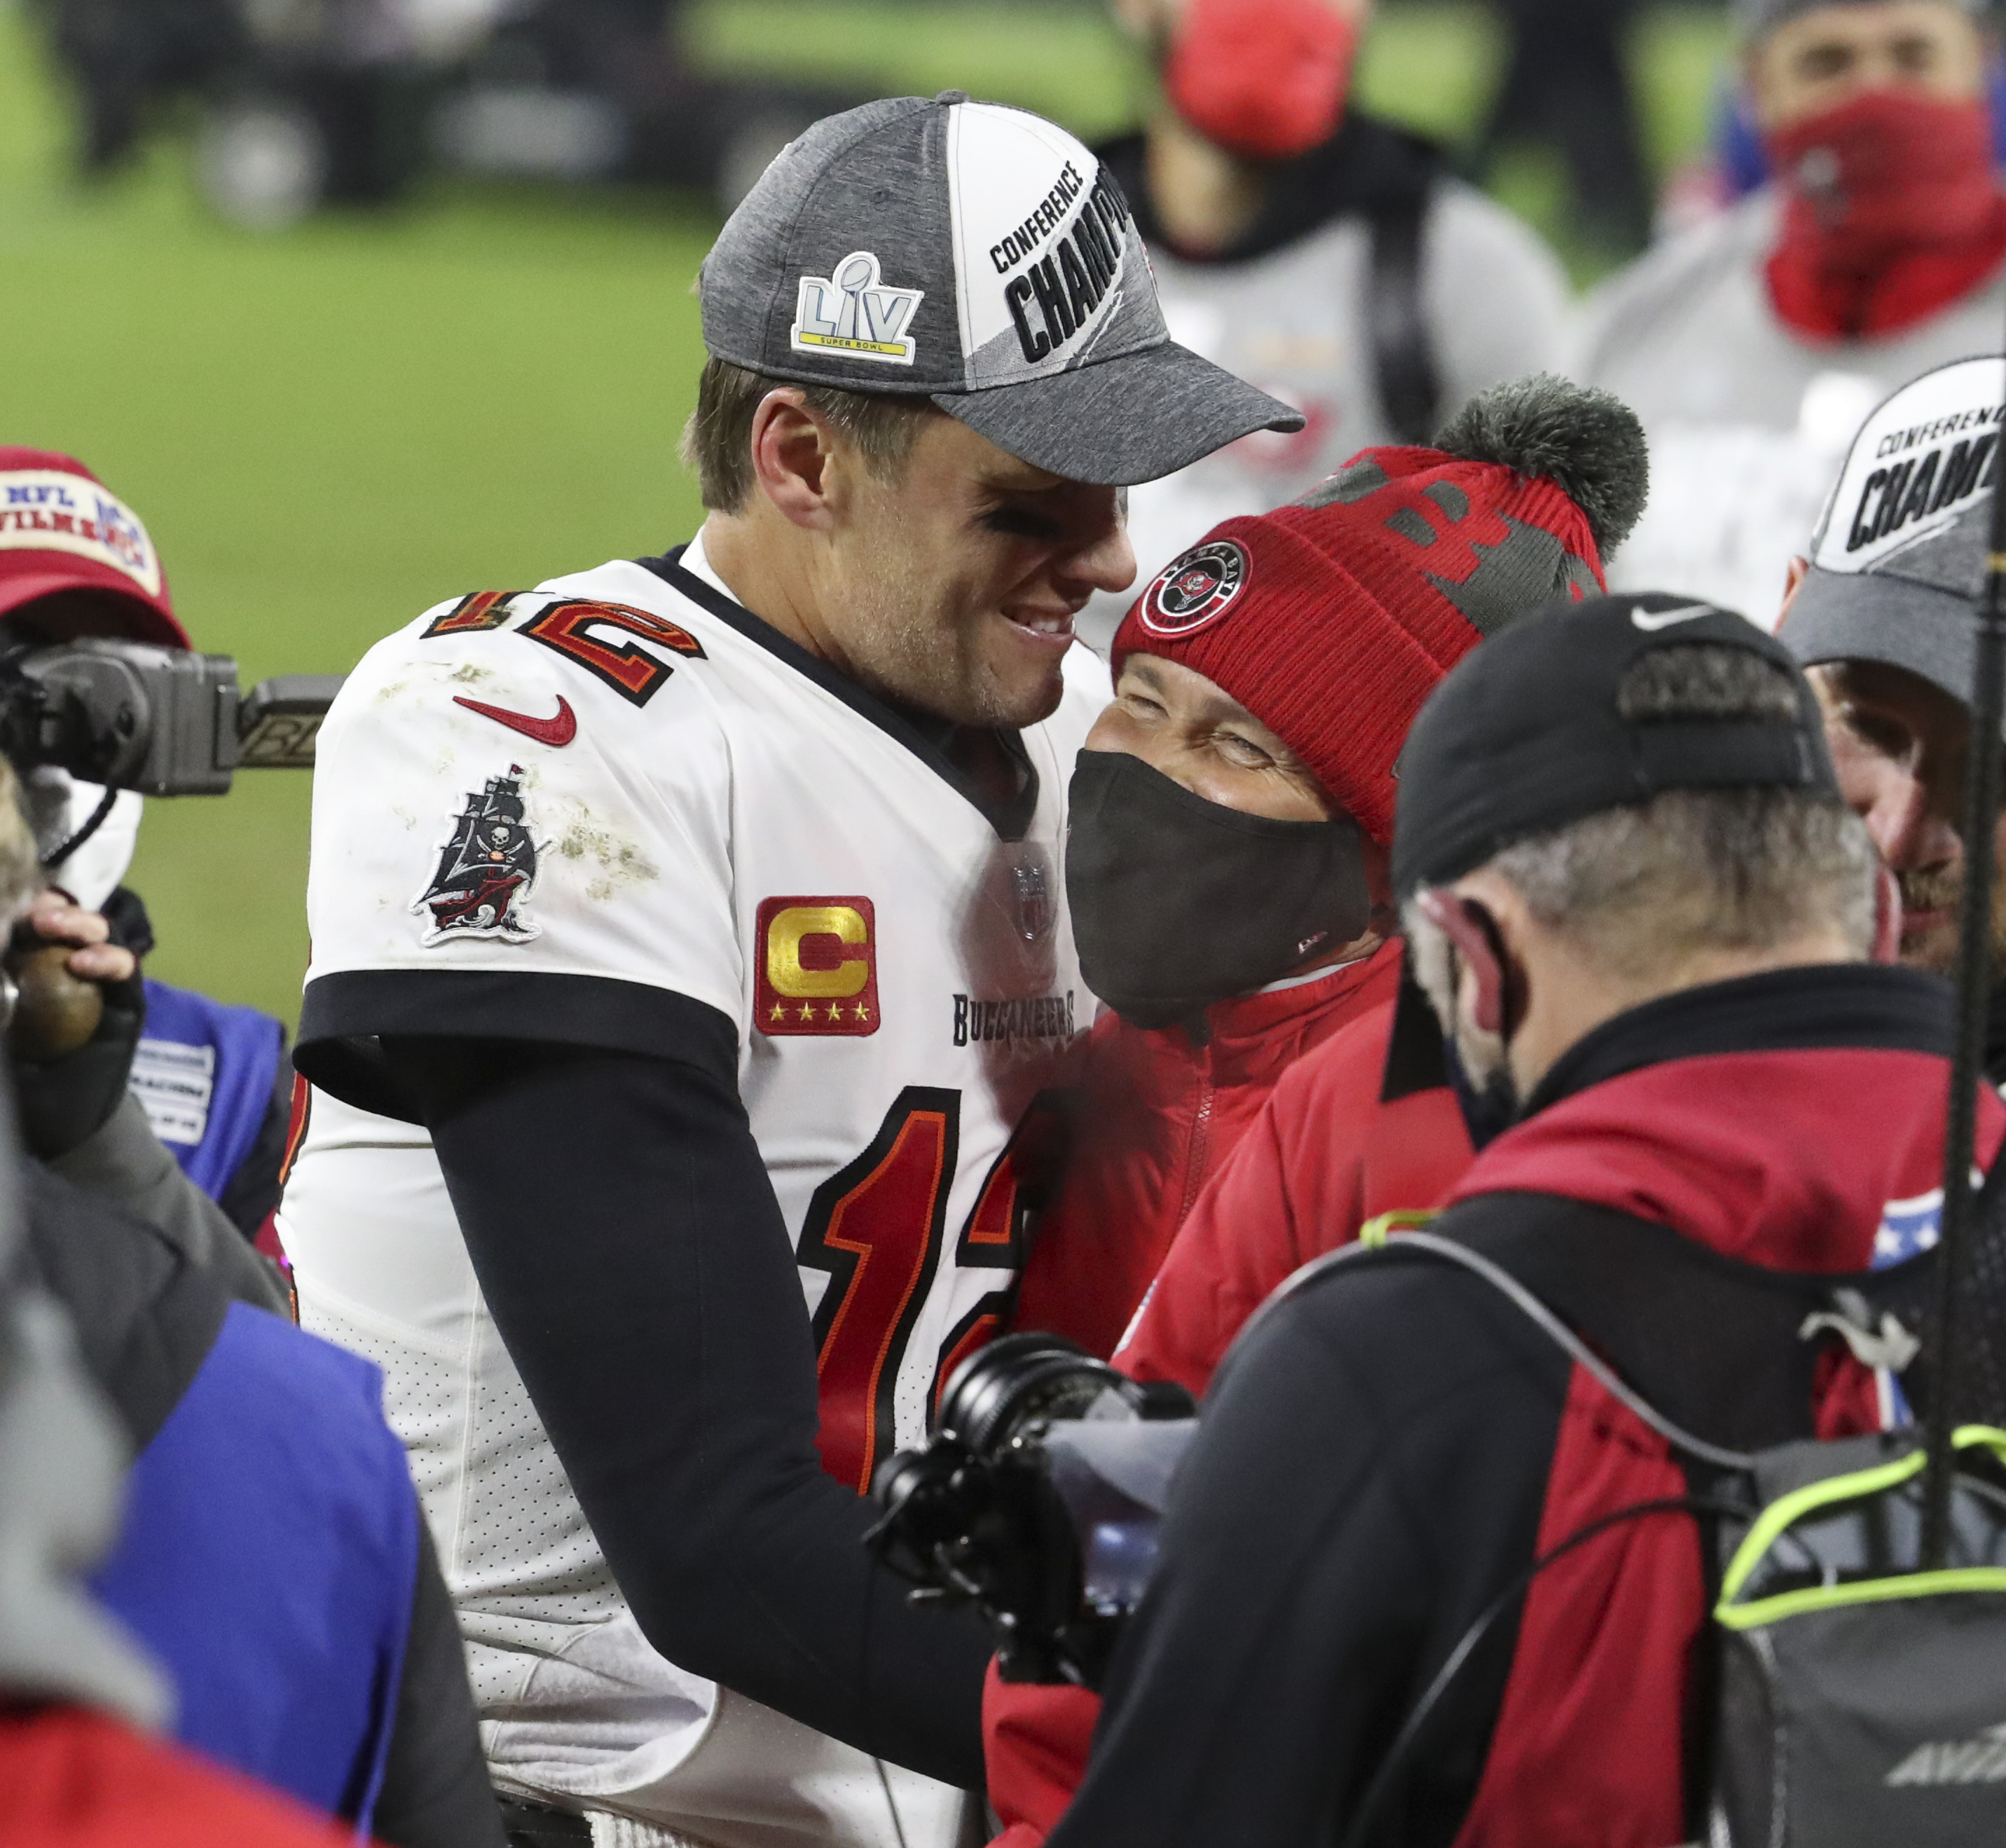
[(624, 782)]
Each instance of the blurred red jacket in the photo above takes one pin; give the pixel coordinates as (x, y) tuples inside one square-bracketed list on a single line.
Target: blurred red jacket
[(74, 1777), (1341, 1138), (1161, 1113)]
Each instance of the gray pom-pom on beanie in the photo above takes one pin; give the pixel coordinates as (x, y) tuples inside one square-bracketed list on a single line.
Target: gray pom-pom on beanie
[(1587, 441)]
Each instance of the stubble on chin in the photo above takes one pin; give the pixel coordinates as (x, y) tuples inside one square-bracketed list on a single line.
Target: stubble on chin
[(904, 648), (1936, 950)]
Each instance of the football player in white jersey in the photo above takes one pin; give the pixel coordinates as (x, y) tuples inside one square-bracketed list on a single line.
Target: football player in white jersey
[(690, 976)]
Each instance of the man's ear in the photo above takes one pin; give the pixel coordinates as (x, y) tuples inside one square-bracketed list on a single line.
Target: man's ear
[(791, 449), (1468, 925), (1887, 917), (1793, 581)]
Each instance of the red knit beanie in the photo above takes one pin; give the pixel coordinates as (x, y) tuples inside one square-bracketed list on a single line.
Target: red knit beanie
[(1331, 619)]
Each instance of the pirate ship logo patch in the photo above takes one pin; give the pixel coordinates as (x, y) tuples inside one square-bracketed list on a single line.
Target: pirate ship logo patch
[(487, 869), (1195, 590)]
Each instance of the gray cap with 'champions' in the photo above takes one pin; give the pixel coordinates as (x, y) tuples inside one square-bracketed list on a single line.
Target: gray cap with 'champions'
[(979, 256), (1898, 563)]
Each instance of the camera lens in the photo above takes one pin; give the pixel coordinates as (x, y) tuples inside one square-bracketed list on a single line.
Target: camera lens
[(997, 1393)]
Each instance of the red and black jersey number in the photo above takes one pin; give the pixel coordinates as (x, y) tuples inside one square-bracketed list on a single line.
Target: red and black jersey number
[(579, 632), (876, 1227), (1022, 1184)]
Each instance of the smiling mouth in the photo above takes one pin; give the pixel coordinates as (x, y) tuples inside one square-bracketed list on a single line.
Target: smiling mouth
[(1052, 625)]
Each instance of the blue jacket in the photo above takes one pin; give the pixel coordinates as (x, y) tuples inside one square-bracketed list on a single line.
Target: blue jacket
[(205, 1071), (268, 1560)]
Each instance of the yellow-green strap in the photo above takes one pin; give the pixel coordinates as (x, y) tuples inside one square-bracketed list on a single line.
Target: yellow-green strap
[(1403, 1219), (1787, 1509), (1754, 1615)]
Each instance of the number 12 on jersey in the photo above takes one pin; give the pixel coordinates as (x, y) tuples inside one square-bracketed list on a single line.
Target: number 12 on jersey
[(878, 1227)]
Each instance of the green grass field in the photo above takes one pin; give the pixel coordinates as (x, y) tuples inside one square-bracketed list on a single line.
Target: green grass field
[(328, 429)]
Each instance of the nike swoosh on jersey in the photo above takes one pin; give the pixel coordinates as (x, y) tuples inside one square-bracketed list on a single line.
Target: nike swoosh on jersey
[(557, 731), (1648, 620)]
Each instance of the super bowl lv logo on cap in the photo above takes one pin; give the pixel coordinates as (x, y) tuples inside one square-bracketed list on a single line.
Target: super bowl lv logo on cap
[(856, 311)]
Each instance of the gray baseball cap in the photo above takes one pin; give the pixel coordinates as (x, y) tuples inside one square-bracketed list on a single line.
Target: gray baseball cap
[(1754, 18), (979, 256), (1898, 563)]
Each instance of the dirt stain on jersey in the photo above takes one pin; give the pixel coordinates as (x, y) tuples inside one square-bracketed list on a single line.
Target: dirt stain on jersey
[(621, 865)]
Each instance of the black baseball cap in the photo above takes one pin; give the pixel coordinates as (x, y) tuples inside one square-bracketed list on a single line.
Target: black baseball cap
[(1524, 736), (981, 257)]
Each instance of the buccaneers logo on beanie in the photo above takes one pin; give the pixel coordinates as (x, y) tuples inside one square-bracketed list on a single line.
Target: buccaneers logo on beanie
[(1331, 619)]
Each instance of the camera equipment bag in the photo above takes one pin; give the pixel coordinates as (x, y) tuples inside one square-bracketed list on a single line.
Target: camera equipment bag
[(1859, 1701)]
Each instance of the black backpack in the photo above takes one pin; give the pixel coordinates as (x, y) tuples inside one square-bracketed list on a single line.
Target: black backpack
[(1858, 1701)]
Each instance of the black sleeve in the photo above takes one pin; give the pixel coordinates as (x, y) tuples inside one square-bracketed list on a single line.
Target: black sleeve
[(435, 1791), (1368, 1473), (628, 1243)]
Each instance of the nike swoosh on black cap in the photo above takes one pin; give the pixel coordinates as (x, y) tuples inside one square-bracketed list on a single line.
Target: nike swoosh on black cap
[(979, 256), (1525, 736)]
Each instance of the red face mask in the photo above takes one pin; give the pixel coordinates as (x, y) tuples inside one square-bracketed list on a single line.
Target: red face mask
[(1263, 79), (1893, 211)]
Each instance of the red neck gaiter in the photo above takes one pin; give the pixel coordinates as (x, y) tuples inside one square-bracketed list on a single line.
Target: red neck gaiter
[(1893, 211), (1262, 79)]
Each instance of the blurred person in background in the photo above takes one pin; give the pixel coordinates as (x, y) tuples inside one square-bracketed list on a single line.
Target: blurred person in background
[(1305, 244), (1567, 84), (1386, 575), (130, 58), (1880, 613), (1753, 345), (1643, 913), (207, 1079)]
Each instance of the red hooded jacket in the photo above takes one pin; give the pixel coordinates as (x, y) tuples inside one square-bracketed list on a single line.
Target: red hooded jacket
[(1160, 1116), (1326, 1151)]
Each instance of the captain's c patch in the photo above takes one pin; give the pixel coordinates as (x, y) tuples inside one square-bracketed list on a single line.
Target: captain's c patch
[(815, 967)]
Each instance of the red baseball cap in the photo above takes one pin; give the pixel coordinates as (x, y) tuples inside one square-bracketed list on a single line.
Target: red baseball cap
[(61, 530)]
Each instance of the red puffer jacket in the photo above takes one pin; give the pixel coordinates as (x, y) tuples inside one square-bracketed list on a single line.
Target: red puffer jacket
[(1329, 1150), (1160, 1116)]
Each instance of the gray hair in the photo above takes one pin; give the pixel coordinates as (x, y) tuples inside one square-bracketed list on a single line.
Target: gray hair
[(1641, 889)]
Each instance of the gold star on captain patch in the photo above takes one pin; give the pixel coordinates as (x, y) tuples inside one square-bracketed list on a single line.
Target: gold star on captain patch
[(835, 1012), (861, 1012), (807, 1013), (779, 1012)]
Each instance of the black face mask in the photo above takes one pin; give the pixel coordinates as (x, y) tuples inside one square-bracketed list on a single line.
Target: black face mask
[(1177, 902)]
